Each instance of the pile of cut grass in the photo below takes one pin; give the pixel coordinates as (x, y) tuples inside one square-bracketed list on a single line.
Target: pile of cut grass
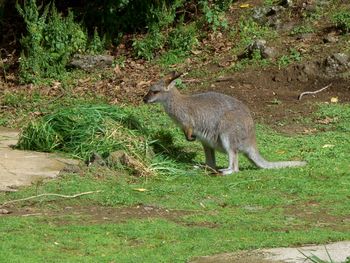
[(84, 129)]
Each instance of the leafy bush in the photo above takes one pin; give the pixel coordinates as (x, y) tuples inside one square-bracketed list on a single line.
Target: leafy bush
[(149, 44), (214, 14), (341, 19), (182, 38), (96, 45), (50, 42)]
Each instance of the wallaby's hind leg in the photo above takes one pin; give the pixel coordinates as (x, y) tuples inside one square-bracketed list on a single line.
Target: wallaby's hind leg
[(232, 163), (232, 157), (209, 157)]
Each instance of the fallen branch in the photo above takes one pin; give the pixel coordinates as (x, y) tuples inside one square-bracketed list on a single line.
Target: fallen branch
[(223, 79), (48, 194), (313, 92), (191, 81)]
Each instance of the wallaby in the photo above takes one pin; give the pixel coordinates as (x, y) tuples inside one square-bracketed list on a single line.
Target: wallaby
[(220, 122)]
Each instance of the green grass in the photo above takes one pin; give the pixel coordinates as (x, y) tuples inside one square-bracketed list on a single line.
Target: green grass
[(248, 210)]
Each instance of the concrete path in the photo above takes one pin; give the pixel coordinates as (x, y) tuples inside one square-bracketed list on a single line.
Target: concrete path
[(338, 252), (19, 168)]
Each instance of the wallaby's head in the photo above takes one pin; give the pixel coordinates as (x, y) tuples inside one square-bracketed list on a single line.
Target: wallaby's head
[(159, 92)]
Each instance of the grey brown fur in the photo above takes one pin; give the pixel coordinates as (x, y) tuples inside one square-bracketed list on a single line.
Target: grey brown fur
[(218, 121)]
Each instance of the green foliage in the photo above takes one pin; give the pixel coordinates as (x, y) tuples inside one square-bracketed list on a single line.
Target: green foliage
[(149, 44), (341, 19), (249, 30), (182, 38), (302, 29), (81, 131), (285, 60), (214, 14), (96, 45), (50, 42), (178, 42), (188, 214)]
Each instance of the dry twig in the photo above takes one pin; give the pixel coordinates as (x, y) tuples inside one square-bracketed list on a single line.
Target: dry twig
[(313, 92), (48, 194)]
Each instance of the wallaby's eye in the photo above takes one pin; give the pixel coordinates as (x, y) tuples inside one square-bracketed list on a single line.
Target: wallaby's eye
[(155, 92)]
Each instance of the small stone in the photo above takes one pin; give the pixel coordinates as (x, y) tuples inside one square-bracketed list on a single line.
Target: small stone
[(4, 211), (269, 52), (330, 38), (95, 159)]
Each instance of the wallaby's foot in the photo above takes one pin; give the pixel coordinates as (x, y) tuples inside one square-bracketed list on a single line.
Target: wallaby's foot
[(227, 171)]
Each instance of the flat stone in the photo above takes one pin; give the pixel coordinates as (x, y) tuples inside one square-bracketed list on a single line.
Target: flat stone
[(20, 168)]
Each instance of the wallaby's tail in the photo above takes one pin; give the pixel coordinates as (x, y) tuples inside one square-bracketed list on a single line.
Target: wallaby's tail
[(256, 158)]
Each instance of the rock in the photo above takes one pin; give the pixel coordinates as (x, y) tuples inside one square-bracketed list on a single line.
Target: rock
[(259, 14), (96, 160), (260, 45), (121, 158), (269, 53), (4, 211), (336, 63), (305, 36), (330, 38), (71, 168), (269, 15), (90, 62)]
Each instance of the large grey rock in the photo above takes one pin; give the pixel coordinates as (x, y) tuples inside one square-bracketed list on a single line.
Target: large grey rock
[(90, 62), (337, 63)]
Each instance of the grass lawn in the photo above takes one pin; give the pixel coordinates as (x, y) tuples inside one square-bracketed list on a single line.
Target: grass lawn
[(199, 214)]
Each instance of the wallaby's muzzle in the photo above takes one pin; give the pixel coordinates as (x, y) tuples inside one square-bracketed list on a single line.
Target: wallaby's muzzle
[(147, 97)]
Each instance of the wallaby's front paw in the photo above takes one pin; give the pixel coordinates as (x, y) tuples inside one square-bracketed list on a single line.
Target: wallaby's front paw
[(191, 138)]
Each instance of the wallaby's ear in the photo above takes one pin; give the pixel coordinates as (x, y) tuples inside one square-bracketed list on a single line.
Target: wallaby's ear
[(169, 79)]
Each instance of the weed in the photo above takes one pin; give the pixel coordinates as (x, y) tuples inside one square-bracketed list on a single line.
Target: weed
[(249, 31), (148, 45), (285, 60), (315, 259), (182, 38), (171, 57), (96, 45), (341, 19), (302, 29), (214, 15)]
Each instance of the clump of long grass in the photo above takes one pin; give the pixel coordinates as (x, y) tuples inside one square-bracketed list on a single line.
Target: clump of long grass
[(84, 130)]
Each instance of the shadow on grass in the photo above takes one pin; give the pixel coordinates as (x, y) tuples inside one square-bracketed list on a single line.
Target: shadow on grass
[(164, 144)]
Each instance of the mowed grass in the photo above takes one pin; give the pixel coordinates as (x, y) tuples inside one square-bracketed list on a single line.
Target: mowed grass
[(248, 210)]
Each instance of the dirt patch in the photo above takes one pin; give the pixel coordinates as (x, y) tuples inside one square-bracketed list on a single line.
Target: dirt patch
[(272, 95), (100, 214), (314, 215)]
